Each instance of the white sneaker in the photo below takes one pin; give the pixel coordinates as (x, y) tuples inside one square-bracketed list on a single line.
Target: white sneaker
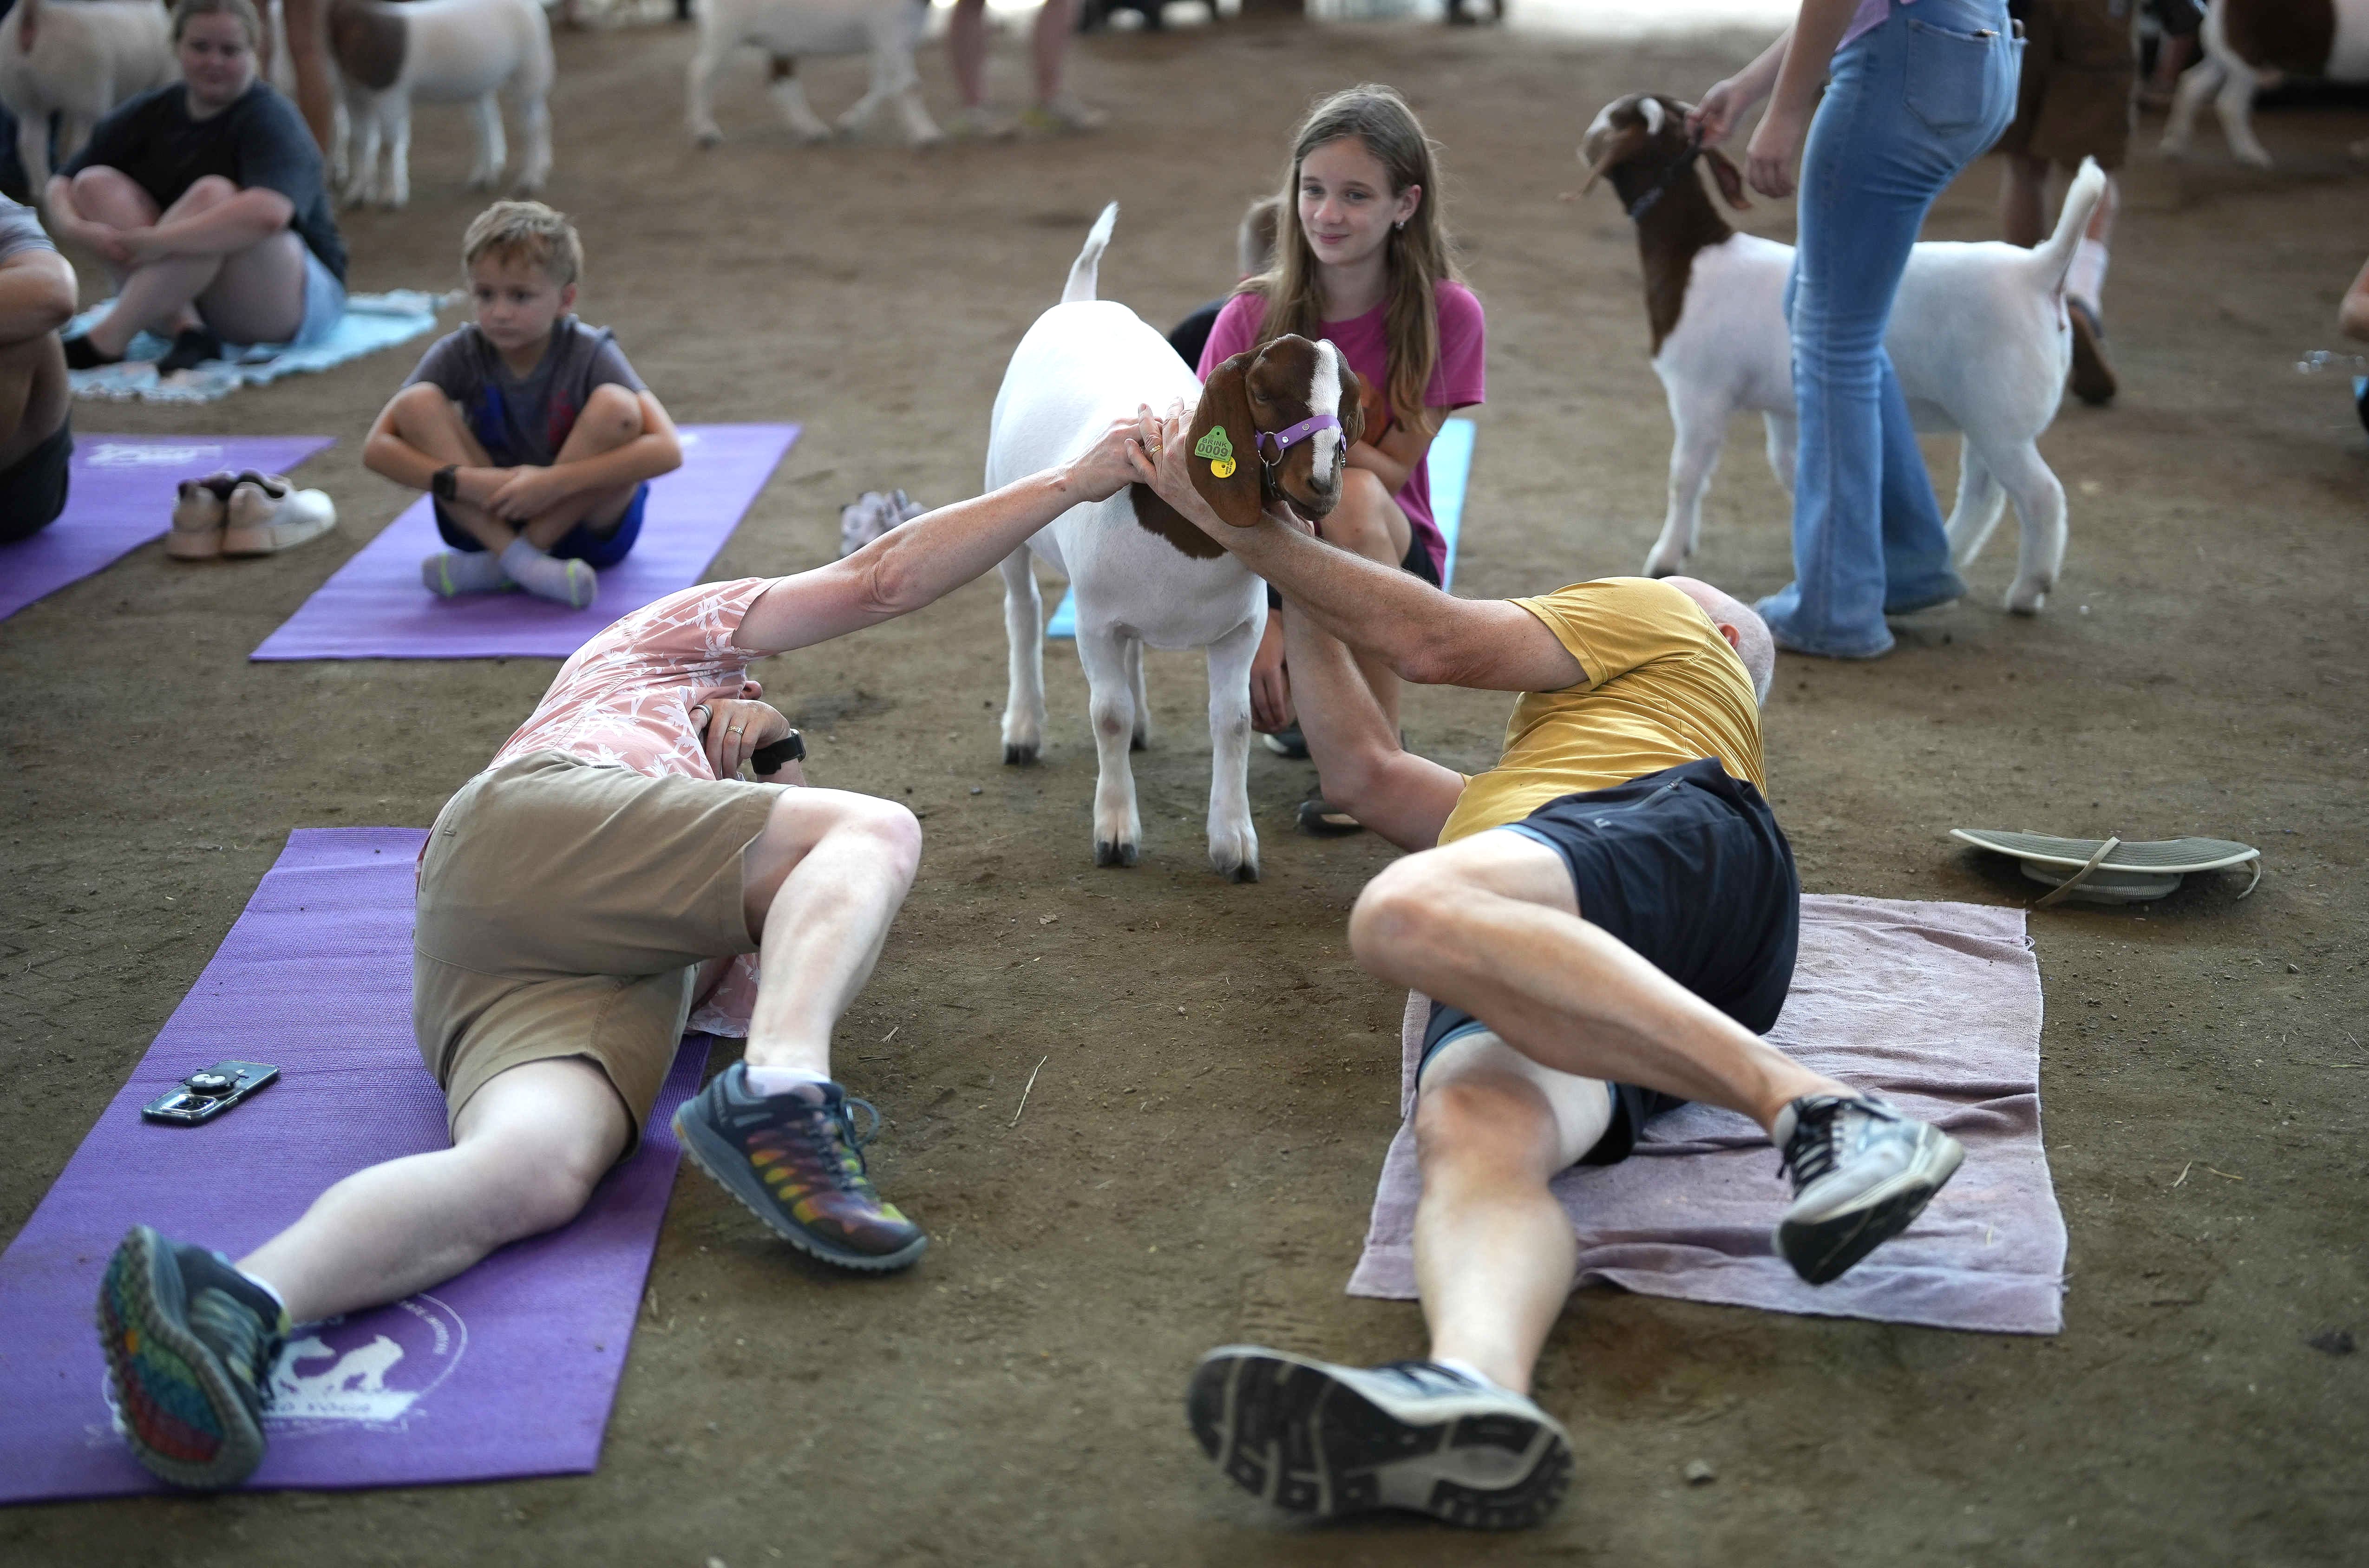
[(267, 515), (1862, 1172), (980, 123), (1062, 115), (1324, 1440), (197, 518)]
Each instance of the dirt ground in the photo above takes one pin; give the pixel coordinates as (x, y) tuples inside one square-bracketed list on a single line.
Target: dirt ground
[(1196, 1158)]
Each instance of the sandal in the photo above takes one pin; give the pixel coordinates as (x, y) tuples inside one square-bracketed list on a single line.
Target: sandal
[(1320, 820)]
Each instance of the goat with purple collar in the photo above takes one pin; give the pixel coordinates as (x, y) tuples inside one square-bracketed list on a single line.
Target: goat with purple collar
[(1978, 336), (1272, 426)]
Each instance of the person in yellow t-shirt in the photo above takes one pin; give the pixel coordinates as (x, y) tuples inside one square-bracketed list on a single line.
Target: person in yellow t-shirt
[(1606, 922)]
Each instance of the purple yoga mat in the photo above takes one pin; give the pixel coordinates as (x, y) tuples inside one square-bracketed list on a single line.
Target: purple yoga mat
[(375, 608), (120, 494), (1937, 1007), (507, 1370)]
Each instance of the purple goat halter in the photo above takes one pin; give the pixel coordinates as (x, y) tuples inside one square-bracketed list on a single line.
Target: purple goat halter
[(1284, 440)]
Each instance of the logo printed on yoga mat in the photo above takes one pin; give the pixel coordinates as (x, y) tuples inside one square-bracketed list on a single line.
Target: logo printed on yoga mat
[(118, 454), (368, 1368)]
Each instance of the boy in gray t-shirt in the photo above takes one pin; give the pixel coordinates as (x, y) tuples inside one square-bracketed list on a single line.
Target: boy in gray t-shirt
[(534, 434)]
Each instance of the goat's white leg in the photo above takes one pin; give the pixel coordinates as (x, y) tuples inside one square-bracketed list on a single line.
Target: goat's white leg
[(33, 149), (2040, 508), (698, 86), (534, 124), (1233, 842), (1980, 501), (1024, 629), (364, 185), (2196, 83), (396, 192), (1784, 447), (492, 151), (790, 97), (1694, 453), (1110, 703), (2235, 106), (877, 90), (342, 140), (1141, 739)]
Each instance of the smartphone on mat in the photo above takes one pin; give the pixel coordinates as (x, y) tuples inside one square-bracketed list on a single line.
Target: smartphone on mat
[(208, 1092)]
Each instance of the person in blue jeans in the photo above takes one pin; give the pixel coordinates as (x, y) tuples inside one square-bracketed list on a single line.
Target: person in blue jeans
[(1918, 90)]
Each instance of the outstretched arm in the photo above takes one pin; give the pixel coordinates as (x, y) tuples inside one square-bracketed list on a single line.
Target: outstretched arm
[(930, 556), (1427, 636)]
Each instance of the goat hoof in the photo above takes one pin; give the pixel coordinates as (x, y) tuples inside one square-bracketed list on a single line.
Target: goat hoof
[(1246, 872), (706, 138), (1110, 852), (2026, 601), (1017, 755), (1138, 741)]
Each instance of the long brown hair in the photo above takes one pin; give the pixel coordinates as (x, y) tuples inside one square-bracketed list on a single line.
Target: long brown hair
[(1417, 256)]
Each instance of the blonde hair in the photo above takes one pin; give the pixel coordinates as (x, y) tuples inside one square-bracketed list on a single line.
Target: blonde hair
[(183, 10), (1255, 240), (1418, 256), (508, 231)]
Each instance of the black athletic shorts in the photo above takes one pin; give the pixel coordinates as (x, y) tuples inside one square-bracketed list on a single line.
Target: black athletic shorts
[(33, 490), (1689, 868)]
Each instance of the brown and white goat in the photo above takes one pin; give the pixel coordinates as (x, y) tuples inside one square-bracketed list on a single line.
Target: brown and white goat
[(1275, 424), (1978, 337), (2252, 44)]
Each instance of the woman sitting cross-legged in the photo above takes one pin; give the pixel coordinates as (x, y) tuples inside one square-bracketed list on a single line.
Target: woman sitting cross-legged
[(205, 199)]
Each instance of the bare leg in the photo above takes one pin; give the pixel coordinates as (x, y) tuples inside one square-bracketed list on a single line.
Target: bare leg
[(1049, 44), (255, 295), (612, 417), (1490, 924), (2024, 192), (820, 887), (966, 50), (528, 1149), (34, 396), (1493, 1252), (315, 95)]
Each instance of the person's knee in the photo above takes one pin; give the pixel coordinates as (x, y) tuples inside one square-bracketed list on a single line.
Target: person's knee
[(1402, 911), (1357, 524), (889, 833), (208, 190), (1481, 1127), (535, 1183), (421, 406), (612, 417)]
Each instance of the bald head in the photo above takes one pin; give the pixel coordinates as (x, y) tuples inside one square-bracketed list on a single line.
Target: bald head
[(1745, 630)]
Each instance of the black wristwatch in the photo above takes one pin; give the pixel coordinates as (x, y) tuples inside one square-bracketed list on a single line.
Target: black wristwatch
[(768, 759), (445, 483)]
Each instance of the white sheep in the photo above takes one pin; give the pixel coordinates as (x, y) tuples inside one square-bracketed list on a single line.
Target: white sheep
[(78, 61)]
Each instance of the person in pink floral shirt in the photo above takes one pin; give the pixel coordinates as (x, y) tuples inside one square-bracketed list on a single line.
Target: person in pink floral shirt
[(607, 878)]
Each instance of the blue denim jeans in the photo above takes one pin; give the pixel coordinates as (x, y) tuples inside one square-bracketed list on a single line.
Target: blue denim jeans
[(1909, 106)]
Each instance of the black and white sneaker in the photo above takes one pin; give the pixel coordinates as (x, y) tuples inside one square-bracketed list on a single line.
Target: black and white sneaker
[(1325, 1441), (1862, 1172)]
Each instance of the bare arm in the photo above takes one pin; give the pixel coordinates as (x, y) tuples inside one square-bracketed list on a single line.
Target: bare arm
[(251, 215), (929, 558), (2352, 316), (1404, 797), (657, 450), (37, 294), (1777, 145), (1427, 636), (1393, 457), (1713, 119)]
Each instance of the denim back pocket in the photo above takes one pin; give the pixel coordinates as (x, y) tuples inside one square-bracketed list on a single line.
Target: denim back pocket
[(1950, 84)]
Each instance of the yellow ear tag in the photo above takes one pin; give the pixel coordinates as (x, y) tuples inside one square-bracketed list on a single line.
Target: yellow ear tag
[(1223, 469)]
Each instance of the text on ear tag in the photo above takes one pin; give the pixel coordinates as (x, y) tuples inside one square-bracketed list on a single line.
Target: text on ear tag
[(1218, 450)]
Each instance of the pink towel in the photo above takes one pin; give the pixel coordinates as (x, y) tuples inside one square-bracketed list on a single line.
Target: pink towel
[(1936, 1006)]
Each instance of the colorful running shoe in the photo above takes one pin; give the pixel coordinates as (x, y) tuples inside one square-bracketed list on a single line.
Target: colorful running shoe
[(189, 1342), (1862, 1172), (797, 1164), (1325, 1441)]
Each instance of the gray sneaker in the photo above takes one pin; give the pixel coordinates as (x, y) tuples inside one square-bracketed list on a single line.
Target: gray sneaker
[(1861, 1171), (1324, 1441)]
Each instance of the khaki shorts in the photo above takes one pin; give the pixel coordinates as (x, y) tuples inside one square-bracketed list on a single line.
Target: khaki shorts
[(2079, 71), (565, 908)]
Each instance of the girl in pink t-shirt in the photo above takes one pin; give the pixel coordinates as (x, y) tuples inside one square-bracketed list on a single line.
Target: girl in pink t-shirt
[(1367, 266)]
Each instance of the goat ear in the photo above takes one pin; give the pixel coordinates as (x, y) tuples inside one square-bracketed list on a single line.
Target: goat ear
[(1223, 457), (1352, 402), (1606, 155), (1731, 183)]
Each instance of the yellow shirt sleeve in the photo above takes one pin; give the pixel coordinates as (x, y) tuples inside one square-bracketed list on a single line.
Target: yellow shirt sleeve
[(1615, 624)]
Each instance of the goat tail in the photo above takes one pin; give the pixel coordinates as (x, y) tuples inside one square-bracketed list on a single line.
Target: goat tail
[(2054, 254), (1089, 259)]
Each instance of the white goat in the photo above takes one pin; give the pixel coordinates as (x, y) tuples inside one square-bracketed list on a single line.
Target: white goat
[(438, 51), (2252, 44), (1275, 423), (888, 31), (77, 61), (1978, 336)]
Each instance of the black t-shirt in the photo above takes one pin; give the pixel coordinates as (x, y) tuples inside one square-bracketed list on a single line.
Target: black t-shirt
[(259, 141)]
